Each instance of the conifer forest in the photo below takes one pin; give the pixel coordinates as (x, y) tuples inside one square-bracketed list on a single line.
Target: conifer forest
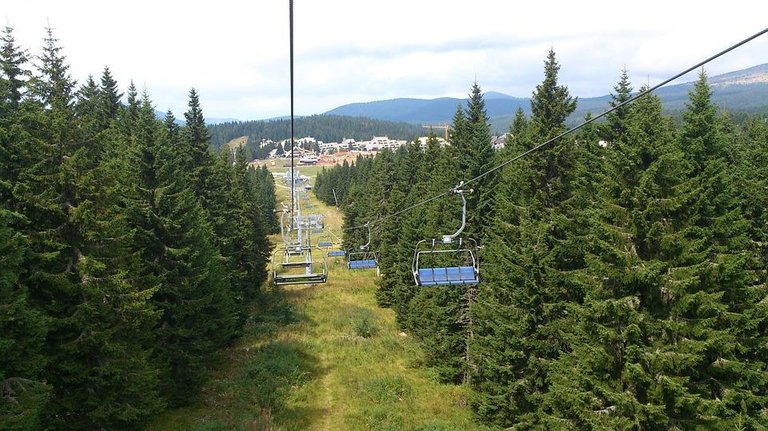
[(622, 269), (129, 251)]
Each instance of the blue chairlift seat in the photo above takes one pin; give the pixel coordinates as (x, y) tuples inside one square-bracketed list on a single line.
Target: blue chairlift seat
[(452, 275), (337, 253), (362, 260), (363, 264), (437, 263), (324, 244)]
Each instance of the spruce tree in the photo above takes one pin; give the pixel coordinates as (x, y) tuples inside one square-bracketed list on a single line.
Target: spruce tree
[(86, 109), (177, 255), (23, 395), (97, 345), (472, 150), (610, 390), (14, 138), (109, 99), (396, 251), (262, 182), (527, 301), (129, 115), (195, 141), (256, 247), (14, 73), (517, 136), (616, 120), (708, 290)]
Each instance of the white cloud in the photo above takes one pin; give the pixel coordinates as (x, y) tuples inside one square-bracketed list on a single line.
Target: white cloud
[(235, 53)]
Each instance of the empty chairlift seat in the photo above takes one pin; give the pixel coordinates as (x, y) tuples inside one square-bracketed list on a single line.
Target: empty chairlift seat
[(331, 253), (363, 264), (450, 260), (365, 258), (440, 264), (307, 268), (362, 260), (451, 275)]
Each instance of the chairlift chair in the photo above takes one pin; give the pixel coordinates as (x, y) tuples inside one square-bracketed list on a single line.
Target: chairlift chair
[(331, 253), (449, 261), (364, 258), (289, 268), (445, 264)]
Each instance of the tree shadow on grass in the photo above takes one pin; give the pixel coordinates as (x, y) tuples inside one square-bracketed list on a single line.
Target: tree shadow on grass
[(272, 376)]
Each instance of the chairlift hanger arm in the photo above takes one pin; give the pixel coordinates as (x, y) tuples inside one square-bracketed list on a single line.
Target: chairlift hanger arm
[(447, 239), (367, 244)]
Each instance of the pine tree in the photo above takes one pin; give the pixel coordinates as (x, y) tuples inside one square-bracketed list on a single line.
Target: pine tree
[(472, 150), (528, 299), (616, 120), (97, 346), (195, 141), (109, 99), (177, 255), (14, 74)]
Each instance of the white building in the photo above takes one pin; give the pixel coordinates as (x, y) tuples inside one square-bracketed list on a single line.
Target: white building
[(379, 143)]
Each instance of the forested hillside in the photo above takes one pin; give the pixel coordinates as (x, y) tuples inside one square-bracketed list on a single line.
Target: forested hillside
[(129, 253), (326, 128), (621, 286)]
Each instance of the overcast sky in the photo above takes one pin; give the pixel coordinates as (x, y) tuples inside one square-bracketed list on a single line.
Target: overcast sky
[(236, 53)]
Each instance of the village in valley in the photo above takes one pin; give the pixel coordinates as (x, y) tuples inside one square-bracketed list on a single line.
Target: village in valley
[(310, 151)]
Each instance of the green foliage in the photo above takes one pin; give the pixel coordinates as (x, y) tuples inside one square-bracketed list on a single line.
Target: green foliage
[(473, 155), (278, 367), (387, 389), (327, 128), (622, 287), (22, 404), (114, 295), (364, 324)]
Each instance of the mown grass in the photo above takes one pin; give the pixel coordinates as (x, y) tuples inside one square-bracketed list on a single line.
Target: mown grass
[(324, 357)]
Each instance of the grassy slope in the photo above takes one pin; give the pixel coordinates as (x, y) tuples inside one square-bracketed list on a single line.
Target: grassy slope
[(324, 357)]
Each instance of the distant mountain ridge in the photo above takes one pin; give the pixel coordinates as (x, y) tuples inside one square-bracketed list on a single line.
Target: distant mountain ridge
[(742, 90)]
